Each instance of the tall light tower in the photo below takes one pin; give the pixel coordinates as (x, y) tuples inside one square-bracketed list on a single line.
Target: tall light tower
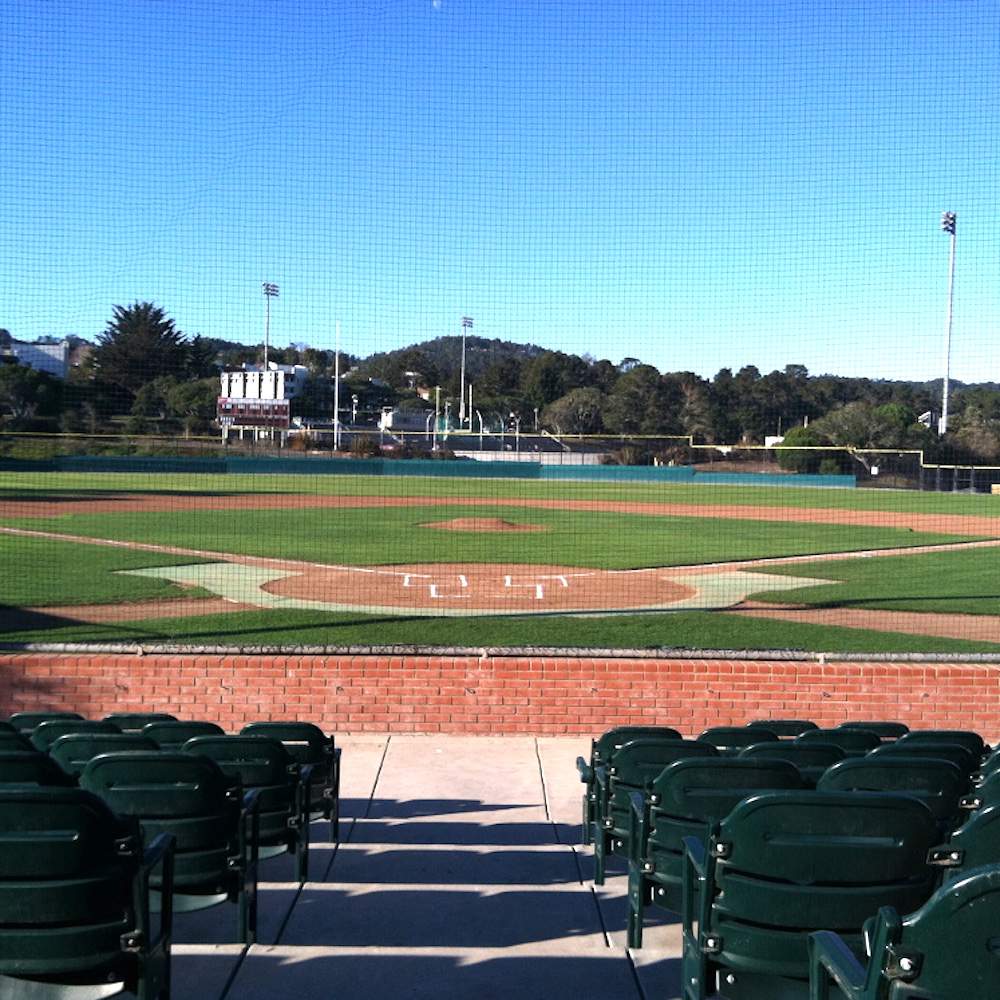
[(270, 292), (948, 220), (466, 325)]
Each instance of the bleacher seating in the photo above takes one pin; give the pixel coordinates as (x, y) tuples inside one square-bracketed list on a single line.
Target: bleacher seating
[(172, 734), (785, 864), (886, 729), (785, 728), (948, 948), (73, 750), (855, 742), (47, 732), (730, 740)]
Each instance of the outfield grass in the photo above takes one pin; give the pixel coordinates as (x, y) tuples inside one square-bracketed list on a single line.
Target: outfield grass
[(676, 630), (396, 536), (58, 485)]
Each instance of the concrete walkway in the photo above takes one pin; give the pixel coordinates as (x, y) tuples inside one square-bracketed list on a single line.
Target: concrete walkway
[(459, 875)]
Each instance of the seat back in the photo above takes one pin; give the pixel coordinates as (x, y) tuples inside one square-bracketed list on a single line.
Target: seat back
[(73, 750), (885, 728), (785, 864), (605, 746), (939, 784), (25, 722), (74, 894), (32, 767), (785, 728), (964, 737), (960, 756), (855, 742), (46, 733), (811, 759), (732, 739), (173, 734), (129, 722)]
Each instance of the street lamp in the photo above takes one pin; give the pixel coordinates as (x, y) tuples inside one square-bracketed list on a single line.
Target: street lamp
[(948, 221), (466, 325), (270, 292)]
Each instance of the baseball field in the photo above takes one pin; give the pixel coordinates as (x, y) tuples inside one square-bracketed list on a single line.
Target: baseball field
[(291, 561)]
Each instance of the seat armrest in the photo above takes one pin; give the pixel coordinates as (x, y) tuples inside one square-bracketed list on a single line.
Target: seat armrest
[(586, 771), (830, 958)]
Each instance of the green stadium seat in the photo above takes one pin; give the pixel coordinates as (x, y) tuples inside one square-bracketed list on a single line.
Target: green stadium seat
[(129, 722), (173, 734), (213, 822), (854, 741), (947, 948), (684, 800), (75, 919), (308, 744), (47, 732), (810, 759), (27, 766), (730, 740), (960, 756), (965, 737), (939, 784), (783, 865), (601, 750), (73, 750), (885, 728), (263, 763), (785, 728), (632, 768), (25, 722)]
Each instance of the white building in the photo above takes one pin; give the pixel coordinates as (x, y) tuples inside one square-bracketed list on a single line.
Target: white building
[(253, 397)]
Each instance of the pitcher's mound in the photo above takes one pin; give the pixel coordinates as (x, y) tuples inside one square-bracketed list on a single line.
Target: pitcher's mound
[(483, 524)]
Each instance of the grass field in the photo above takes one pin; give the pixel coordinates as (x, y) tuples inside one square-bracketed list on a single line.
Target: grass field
[(37, 572)]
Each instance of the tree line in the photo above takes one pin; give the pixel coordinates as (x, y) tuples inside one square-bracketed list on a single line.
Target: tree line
[(144, 376)]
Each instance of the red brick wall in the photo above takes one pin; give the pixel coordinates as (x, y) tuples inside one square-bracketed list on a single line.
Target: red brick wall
[(544, 695)]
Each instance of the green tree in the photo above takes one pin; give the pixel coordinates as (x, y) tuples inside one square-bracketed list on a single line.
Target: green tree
[(26, 393), (140, 344), (792, 454), (578, 412)]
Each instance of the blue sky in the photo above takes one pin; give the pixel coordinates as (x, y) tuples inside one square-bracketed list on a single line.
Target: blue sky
[(698, 184)]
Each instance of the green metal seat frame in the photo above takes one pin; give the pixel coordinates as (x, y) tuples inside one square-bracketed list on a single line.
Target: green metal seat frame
[(965, 737), (887, 729), (783, 865), (976, 842), (959, 755), (25, 722), (947, 948), (213, 821), (308, 744), (75, 919), (129, 722), (684, 800)]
